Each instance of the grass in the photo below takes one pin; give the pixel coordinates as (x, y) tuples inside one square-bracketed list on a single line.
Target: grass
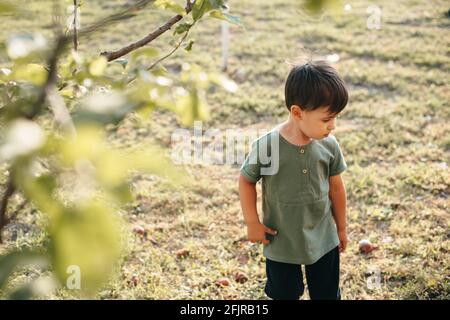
[(394, 134)]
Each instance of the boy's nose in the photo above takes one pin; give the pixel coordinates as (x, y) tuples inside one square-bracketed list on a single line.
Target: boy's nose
[(332, 125)]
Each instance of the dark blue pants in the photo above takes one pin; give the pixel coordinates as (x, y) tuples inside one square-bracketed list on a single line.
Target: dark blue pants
[(285, 280)]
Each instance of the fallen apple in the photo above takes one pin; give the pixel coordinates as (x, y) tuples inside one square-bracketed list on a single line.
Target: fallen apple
[(240, 277), (134, 280), (365, 246), (225, 282), (183, 253), (139, 230)]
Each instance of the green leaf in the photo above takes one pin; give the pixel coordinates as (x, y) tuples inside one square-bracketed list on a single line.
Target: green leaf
[(98, 66), (148, 52), (170, 5), (192, 107), (122, 62), (67, 93), (111, 168), (86, 238), (32, 72), (40, 191), (315, 7), (87, 144), (188, 46), (199, 9), (204, 6), (146, 110), (182, 28), (227, 17)]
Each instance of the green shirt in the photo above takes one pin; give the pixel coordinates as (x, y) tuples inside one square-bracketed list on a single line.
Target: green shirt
[(295, 197)]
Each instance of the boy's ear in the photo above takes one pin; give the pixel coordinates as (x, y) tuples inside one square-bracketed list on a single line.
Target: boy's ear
[(296, 111)]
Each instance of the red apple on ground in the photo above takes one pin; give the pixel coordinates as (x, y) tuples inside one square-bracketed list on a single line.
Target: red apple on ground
[(139, 230), (240, 277), (365, 246), (183, 253), (225, 282)]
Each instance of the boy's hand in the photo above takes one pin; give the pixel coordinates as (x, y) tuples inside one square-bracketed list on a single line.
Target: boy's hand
[(342, 235), (256, 232)]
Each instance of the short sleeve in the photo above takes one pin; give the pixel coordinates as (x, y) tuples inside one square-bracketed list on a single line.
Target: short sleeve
[(337, 163), (251, 168)]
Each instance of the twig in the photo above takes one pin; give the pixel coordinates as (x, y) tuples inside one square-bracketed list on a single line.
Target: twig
[(166, 56), (75, 29), (170, 53), (113, 55), (105, 22), (10, 188)]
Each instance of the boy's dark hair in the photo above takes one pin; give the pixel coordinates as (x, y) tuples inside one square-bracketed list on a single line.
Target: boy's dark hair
[(315, 84)]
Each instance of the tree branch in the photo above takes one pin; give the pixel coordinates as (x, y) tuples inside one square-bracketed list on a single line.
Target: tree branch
[(49, 84), (113, 55), (166, 56), (49, 88), (170, 53), (10, 188), (15, 213), (51, 77), (128, 12), (75, 29)]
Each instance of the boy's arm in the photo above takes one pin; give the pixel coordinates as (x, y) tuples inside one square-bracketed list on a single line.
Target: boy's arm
[(339, 202), (255, 229)]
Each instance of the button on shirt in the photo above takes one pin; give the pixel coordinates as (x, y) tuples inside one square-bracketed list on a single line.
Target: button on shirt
[(295, 197)]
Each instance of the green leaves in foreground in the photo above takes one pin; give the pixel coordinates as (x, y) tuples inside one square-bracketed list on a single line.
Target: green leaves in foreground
[(85, 245), (82, 201), (74, 177)]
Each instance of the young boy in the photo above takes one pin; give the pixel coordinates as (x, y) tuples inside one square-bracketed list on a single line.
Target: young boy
[(302, 190)]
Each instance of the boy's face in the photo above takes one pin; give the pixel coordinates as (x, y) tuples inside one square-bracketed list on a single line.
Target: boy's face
[(316, 124)]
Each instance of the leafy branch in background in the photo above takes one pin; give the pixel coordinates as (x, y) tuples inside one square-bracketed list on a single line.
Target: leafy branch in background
[(113, 55), (199, 8), (73, 176)]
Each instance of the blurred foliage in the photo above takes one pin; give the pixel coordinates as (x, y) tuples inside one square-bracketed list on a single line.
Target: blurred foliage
[(75, 177), (315, 7)]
